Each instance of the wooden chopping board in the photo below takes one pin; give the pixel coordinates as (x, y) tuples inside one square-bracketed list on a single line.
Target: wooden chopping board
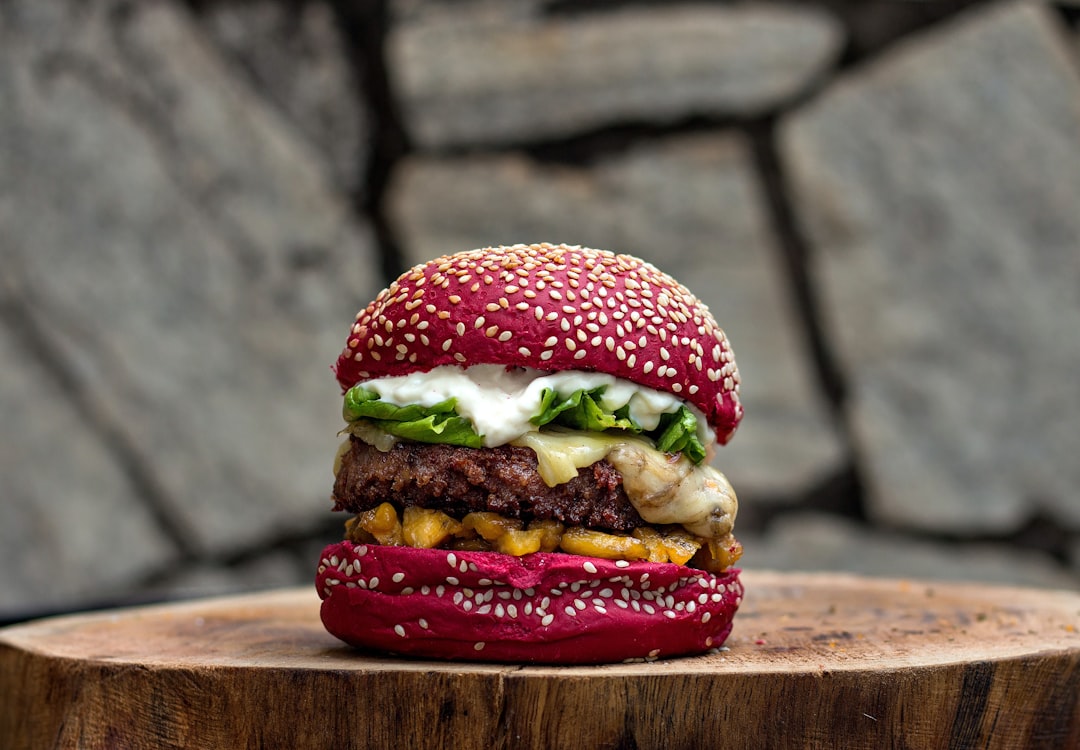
[(816, 660)]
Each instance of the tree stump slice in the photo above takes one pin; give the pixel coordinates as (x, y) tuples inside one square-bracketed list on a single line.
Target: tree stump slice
[(816, 660)]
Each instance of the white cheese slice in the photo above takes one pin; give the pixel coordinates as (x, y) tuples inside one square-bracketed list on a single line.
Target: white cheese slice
[(664, 489)]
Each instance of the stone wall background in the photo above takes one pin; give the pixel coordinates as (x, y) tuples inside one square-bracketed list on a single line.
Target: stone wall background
[(879, 200)]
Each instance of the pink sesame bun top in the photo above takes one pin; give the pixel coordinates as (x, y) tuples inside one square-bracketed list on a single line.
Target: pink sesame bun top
[(552, 308)]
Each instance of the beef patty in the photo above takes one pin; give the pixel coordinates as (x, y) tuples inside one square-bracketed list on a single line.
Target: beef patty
[(459, 480)]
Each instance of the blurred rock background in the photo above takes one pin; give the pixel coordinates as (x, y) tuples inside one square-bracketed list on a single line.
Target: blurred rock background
[(879, 200)]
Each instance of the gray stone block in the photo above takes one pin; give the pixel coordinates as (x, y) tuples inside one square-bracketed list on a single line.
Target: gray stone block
[(468, 74), (193, 269), (940, 186), (690, 205), (72, 524), (814, 541), (295, 56)]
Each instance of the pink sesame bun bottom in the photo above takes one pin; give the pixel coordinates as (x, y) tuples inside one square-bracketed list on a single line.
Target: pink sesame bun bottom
[(550, 608)]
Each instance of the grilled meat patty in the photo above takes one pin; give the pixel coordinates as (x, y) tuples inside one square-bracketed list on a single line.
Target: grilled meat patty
[(459, 480)]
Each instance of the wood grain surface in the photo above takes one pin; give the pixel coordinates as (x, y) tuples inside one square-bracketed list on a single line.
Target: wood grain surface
[(816, 660)]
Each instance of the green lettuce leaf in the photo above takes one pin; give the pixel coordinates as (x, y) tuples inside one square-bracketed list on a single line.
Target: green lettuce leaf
[(581, 410), (424, 424), (677, 433)]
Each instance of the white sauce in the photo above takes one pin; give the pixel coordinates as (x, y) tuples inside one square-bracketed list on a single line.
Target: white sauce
[(500, 402)]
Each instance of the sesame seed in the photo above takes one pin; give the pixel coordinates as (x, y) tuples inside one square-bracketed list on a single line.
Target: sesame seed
[(479, 646), (546, 620), (399, 630), (398, 577)]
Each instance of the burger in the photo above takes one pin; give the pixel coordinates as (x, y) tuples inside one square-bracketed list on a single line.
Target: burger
[(526, 464)]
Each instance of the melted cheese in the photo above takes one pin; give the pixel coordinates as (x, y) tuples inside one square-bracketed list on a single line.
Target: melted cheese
[(560, 453), (664, 489)]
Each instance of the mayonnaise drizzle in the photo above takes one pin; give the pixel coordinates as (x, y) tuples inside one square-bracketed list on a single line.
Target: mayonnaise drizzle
[(499, 402)]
